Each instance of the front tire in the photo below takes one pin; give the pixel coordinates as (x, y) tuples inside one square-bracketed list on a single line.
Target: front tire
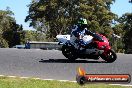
[(69, 52), (111, 56)]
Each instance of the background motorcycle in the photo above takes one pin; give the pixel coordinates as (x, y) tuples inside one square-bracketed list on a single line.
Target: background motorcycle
[(98, 47)]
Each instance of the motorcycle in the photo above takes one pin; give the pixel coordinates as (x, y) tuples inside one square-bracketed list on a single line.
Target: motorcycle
[(98, 46)]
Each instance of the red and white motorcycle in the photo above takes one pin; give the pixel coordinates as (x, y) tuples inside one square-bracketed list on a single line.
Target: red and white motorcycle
[(98, 46)]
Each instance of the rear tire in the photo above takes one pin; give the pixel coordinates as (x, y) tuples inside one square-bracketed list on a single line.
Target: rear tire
[(111, 57), (69, 52)]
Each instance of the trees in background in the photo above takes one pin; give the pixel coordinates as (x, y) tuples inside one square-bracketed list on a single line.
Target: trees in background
[(117, 42), (10, 32), (123, 28), (33, 35), (125, 23)]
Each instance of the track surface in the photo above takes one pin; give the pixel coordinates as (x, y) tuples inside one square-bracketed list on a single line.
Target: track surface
[(29, 63)]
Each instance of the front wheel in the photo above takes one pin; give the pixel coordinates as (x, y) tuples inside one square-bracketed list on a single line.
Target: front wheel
[(110, 57), (69, 52)]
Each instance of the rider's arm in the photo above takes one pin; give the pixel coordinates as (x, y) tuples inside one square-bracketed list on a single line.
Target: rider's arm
[(96, 36), (88, 32)]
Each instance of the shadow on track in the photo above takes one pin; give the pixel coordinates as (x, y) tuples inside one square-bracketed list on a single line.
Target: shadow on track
[(67, 61)]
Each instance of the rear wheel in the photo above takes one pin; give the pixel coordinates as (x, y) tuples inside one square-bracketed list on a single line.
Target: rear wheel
[(111, 56), (69, 52)]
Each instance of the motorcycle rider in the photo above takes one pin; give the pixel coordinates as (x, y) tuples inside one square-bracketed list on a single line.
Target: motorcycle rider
[(80, 30)]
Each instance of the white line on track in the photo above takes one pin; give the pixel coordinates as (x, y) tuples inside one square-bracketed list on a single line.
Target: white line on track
[(24, 77), (12, 76), (1, 75)]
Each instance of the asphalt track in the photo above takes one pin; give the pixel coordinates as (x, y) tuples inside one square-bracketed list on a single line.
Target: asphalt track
[(51, 64)]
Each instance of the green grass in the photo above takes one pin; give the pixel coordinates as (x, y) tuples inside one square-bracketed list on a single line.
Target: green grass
[(6, 82)]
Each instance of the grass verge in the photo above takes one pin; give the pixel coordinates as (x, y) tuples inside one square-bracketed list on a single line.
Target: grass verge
[(7, 82)]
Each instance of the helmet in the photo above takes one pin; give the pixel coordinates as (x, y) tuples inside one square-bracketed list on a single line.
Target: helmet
[(82, 21)]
